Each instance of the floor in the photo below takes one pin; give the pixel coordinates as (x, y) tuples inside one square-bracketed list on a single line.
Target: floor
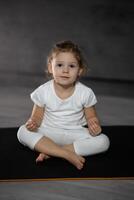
[(68, 190), (115, 107)]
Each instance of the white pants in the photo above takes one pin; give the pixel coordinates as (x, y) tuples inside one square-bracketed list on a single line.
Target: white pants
[(84, 143)]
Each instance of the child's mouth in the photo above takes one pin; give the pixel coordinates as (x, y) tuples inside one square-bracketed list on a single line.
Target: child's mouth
[(64, 77)]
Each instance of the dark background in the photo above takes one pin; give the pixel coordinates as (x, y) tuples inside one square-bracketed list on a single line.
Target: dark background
[(102, 28)]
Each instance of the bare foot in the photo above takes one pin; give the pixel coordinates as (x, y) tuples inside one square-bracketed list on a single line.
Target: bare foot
[(41, 157), (76, 160)]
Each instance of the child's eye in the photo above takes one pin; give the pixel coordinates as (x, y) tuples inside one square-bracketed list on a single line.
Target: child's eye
[(59, 65), (71, 66)]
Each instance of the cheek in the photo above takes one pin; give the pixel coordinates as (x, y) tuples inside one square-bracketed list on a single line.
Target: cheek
[(75, 73), (56, 72)]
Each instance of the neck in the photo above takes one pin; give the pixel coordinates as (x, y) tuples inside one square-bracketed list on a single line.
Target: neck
[(64, 92)]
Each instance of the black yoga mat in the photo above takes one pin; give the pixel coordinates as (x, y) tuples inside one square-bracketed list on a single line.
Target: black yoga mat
[(18, 162)]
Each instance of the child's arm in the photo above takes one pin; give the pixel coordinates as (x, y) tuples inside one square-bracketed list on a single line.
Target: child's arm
[(36, 118), (92, 121)]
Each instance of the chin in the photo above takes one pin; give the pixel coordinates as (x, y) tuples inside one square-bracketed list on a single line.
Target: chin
[(64, 83)]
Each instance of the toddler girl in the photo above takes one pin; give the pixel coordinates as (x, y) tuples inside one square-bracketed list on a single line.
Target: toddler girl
[(63, 107)]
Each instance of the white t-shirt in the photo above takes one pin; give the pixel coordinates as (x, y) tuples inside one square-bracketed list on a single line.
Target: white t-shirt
[(67, 113)]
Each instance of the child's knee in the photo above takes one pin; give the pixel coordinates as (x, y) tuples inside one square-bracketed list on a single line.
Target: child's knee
[(104, 142), (91, 146), (28, 138), (20, 133)]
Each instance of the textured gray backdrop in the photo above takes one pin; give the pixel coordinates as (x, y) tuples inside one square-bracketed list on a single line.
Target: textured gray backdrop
[(103, 29)]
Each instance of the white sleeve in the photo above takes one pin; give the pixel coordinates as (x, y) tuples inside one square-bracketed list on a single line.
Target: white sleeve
[(89, 98), (37, 96)]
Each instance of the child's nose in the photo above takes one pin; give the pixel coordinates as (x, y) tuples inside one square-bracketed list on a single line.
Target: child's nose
[(65, 68)]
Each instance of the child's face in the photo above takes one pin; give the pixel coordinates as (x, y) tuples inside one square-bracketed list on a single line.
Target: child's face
[(65, 68)]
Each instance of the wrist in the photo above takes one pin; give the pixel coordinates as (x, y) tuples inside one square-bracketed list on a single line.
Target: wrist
[(34, 121)]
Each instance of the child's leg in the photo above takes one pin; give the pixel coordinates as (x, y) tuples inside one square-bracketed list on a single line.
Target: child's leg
[(28, 138), (47, 146), (84, 144), (36, 141), (42, 156), (91, 145), (69, 147)]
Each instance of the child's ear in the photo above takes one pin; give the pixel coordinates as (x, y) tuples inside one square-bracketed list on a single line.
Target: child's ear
[(49, 68), (80, 71)]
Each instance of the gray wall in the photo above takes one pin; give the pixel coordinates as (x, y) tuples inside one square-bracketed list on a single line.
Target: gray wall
[(102, 28)]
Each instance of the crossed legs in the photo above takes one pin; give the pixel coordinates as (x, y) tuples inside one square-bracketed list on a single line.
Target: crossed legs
[(70, 146), (43, 156), (48, 148)]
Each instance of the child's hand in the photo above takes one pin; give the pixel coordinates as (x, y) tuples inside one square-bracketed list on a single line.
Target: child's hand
[(31, 125), (94, 126)]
